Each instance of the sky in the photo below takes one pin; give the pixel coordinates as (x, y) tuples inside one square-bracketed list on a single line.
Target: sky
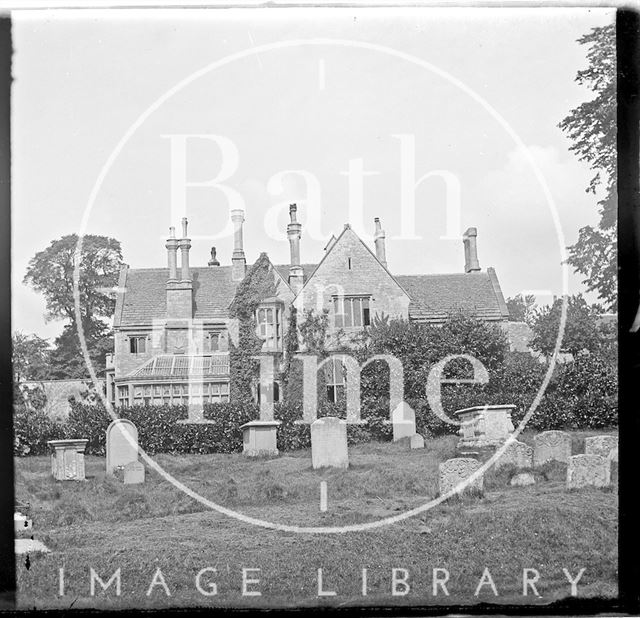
[(340, 110)]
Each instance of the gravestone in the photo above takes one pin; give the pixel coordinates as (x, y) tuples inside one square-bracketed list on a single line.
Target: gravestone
[(29, 546), (416, 441), (612, 465), (587, 470), (600, 445), (329, 443), (133, 473), (517, 454), (523, 479), (551, 446), (453, 473), (67, 459), (22, 524), (122, 444), (484, 427), (404, 421), (259, 438)]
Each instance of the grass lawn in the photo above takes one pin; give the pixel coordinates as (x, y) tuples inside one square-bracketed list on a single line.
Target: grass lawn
[(104, 525)]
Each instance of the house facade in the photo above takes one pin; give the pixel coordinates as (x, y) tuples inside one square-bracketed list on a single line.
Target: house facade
[(173, 326)]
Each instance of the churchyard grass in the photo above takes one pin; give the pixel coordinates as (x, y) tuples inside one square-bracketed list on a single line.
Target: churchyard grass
[(105, 525)]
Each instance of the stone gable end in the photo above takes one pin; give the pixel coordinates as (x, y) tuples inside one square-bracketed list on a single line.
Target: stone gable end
[(365, 277)]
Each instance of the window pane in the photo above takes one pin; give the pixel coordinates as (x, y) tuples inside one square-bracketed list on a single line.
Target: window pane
[(348, 310), (357, 312), (365, 316), (142, 345)]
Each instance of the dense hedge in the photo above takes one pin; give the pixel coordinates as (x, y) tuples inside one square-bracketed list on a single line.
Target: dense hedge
[(581, 395)]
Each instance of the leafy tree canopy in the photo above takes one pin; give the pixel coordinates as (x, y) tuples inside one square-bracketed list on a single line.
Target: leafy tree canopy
[(50, 272), (522, 308), (592, 128), (29, 357), (584, 329)]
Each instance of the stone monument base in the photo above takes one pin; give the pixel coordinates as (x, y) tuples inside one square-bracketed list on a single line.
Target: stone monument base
[(259, 438)]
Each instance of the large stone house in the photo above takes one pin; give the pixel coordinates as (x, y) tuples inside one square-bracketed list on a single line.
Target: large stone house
[(171, 324)]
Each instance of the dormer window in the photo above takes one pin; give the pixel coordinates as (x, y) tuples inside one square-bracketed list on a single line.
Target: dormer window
[(269, 323), (351, 311)]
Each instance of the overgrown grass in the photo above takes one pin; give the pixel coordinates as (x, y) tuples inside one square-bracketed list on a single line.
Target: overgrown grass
[(105, 525)]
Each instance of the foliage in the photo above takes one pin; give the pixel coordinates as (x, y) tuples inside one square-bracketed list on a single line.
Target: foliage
[(50, 272), (592, 128), (582, 328), (257, 285), (32, 428), (29, 357), (522, 308)]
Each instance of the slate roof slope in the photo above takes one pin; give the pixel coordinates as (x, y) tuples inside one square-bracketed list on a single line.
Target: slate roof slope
[(433, 297), (145, 296), (283, 269)]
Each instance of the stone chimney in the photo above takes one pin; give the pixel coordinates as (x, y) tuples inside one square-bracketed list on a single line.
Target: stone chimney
[(214, 260), (238, 260), (294, 230), (471, 263), (379, 237), (179, 289), (172, 254), (185, 245)]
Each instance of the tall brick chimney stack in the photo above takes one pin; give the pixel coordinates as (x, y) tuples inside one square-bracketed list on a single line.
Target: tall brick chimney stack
[(179, 289), (172, 254), (238, 260), (379, 237), (471, 263), (294, 231)]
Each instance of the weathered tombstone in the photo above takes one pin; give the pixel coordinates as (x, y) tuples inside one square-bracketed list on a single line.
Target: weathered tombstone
[(484, 426), (67, 459), (329, 443), (122, 444), (133, 473), (551, 446), (259, 438), (453, 473), (517, 454), (585, 470), (29, 546), (416, 441), (523, 479), (404, 421), (600, 445), (612, 459)]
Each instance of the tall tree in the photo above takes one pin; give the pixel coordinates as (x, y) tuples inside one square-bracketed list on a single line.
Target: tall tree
[(592, 128), (30, 357), (50, 272), (522, 308)]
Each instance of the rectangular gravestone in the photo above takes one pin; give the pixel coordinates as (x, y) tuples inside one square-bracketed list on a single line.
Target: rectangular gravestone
[(600, 445), (551, 446), (329, 443), (587, 470), (404, 421), (122, 444), (133, 473), (67, 459), (260, 438), (484, 427), (454, 472), (517, 454)]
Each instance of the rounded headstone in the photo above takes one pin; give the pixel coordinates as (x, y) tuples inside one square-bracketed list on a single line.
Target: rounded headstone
[(121, 445), (551, 446), (416, 441)]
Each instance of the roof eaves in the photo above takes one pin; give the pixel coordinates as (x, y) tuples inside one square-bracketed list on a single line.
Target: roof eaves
[(122, 288)]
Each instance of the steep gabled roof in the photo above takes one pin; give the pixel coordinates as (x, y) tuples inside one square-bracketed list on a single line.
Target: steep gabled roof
[(433, 297), (331, 247), (283, 269), (145, 297)]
